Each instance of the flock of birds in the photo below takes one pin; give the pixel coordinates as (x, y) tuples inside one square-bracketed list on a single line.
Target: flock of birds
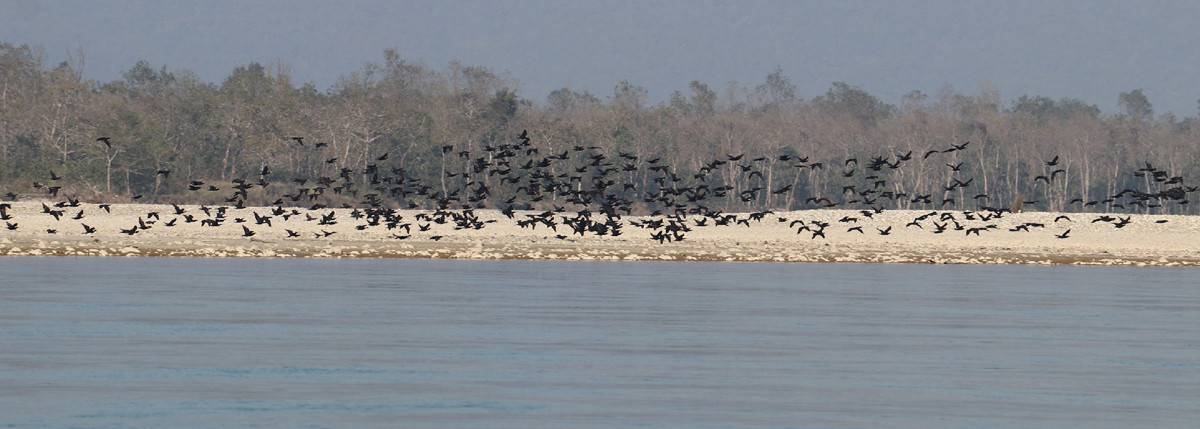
[(582, 191)]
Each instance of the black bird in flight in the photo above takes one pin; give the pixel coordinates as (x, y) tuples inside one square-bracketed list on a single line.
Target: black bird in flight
[(1064, 234), (299, 140), (246, 232), (106, 141), (87, 229)]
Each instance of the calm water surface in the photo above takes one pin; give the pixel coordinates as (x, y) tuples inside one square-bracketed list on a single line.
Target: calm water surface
[(148, 342)]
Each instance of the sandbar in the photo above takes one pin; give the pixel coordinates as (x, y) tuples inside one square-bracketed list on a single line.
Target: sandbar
[(890, 236)]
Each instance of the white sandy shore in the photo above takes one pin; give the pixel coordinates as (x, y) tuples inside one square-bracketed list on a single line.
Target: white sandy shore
[(1142, 241)]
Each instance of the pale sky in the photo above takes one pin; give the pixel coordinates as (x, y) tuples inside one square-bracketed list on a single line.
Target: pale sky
[(1091, 50)]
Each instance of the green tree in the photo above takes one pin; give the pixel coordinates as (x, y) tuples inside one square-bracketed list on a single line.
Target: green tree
[(1045, 109), (844, 100), (564, 99), (778, 88), (629, 97), (1135, 104), (142, 79), (704, 100)]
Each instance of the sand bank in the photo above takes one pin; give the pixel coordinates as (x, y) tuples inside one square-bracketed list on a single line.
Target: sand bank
[(1021, 238)]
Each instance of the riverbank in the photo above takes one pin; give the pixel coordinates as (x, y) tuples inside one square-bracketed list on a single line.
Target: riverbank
[(891, 236)]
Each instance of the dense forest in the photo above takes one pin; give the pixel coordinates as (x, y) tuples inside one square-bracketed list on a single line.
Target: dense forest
[(166, 130)]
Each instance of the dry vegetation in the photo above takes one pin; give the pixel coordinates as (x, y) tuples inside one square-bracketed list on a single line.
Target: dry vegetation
[(163, 120)]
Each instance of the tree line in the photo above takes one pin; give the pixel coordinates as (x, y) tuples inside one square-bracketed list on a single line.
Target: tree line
[(1061, 155)]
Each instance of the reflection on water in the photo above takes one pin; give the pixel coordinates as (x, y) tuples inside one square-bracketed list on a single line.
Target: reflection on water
[(426, 343)]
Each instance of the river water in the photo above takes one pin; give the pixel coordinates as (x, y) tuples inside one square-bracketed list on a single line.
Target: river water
[(180, 342)]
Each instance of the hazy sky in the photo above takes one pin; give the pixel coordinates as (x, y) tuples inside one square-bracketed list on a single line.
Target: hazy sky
[(1091, 50)]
